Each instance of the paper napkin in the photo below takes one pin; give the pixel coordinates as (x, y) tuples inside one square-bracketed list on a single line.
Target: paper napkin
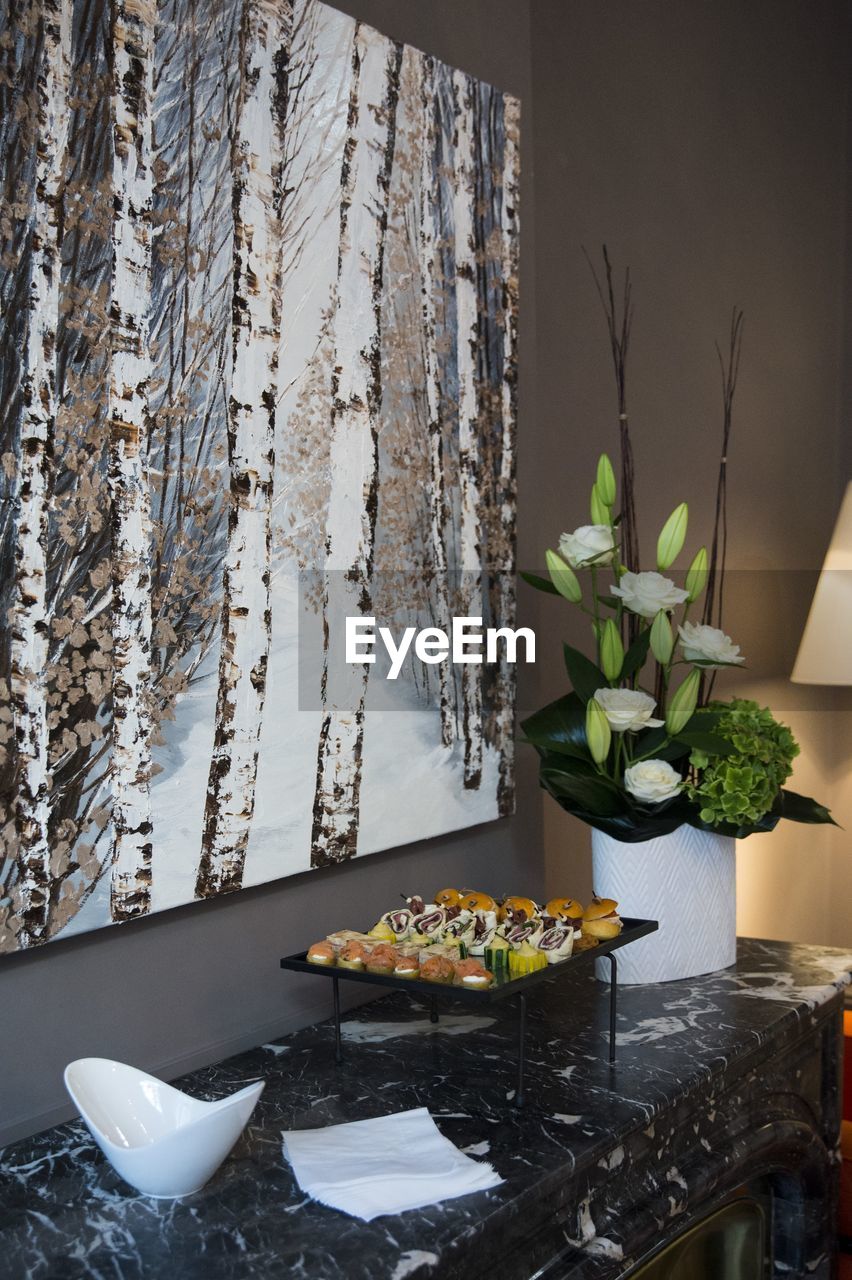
[(388, 1165)]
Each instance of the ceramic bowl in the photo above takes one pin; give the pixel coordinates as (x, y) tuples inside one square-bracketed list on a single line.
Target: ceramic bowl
[(161, 1141)]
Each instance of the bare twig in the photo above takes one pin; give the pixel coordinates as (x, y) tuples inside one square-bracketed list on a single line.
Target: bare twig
[(729, 366), (619, 320)]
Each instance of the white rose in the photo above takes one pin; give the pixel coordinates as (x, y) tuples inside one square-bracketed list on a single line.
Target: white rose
[(652, 781), (627, 709), (647, 593), (589, 544), (708, 645)]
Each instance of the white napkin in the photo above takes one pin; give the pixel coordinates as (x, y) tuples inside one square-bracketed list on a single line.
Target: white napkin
[(372, 1167)]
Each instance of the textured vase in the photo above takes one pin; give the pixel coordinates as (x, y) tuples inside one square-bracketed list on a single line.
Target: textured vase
[(687, 882)]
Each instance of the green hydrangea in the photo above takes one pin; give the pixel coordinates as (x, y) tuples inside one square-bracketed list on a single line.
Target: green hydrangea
[(741, 787)]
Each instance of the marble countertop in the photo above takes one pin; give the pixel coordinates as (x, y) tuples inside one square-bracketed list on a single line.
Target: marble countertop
[(65, 1214)]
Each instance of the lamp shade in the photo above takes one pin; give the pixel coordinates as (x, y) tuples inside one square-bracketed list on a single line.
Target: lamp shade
[(825, 653)]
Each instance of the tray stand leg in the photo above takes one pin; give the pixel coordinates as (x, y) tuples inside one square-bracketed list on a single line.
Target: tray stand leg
[(433, 1009), (613, 992), (338, 1052), (522, 1035)]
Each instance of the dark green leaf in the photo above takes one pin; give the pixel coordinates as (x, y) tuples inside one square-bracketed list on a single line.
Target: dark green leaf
[(631, 830), (802, 809), (635, 656), (593, 792), (585, 677), (540, 584), (709, 742), (655, 745), (705, 719), (630, 823), (560, 726)]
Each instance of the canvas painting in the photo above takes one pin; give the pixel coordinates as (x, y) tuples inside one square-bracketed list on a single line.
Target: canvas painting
[(258, 353)]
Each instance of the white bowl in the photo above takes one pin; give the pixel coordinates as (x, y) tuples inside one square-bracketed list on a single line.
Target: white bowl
[(161, 1141)]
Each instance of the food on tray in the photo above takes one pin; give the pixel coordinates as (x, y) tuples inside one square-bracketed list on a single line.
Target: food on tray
[(565, 910), (429, 923), (496, 955), (518, 910), (463, 936), (343, 936), (353, 956), (472, 974), (383, 949), (460, 929), (321, 953), (484, 929), (437, 969), (456, 949), (557, 943), (399, 923), (601, 919), (444, 949), (382, 932), (525, 960), (515, 934), (382, 959), (475, 901), (411, 947)]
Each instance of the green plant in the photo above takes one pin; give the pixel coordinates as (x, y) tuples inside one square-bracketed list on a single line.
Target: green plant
[(741, 787), (635, 748)]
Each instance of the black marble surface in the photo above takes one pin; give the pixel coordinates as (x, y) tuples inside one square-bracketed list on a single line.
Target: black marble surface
[(716, 1075)]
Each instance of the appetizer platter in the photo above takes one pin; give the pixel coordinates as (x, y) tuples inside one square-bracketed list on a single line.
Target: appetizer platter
[(466, 945)]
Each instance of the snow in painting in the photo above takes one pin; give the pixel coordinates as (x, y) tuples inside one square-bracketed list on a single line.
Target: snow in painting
[(258, 350)]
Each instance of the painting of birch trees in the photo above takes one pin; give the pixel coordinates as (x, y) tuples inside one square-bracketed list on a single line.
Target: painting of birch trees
[(258, 372)]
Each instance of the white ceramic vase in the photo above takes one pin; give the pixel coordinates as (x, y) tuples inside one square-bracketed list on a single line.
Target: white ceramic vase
[(687, 881), (161, 1141)]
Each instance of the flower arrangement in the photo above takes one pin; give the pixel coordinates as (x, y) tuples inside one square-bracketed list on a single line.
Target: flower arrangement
[(636, 763), (639, 746)]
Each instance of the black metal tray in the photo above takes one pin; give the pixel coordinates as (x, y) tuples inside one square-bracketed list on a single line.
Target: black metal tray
[(502, 987)]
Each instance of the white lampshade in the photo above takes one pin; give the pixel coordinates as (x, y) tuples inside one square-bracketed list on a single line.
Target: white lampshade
[(825, 653)]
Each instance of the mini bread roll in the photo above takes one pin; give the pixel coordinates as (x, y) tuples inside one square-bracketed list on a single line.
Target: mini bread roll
[(564, 909), (600, 919), (511, 906), (600, 907), (477, 902), (609, 927)]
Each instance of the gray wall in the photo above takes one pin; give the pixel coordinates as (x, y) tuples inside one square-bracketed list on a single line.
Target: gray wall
[(707, 145), (191, 985)]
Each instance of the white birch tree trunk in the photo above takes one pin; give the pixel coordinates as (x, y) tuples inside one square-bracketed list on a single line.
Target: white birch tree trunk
[(130, 370), (356, 401), (430, 285), (246, 615), (505, 690), (30, 627), (467, 340)]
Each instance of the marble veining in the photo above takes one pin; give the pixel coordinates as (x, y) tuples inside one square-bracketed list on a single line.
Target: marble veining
[(730, 1072)]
